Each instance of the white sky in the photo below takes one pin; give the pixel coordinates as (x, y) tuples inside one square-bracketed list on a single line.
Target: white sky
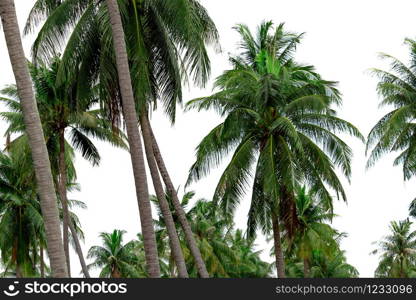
[(342, 40)]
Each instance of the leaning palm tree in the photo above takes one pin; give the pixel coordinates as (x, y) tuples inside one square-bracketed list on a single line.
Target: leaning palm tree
[(36, 139), (115, 259), (397, 250), (131, 121), (278, 118), (166, 40)]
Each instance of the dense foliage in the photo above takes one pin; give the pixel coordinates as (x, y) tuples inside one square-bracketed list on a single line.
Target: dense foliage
[(97, 71)]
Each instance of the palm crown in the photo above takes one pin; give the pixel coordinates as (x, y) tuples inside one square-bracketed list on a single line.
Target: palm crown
[(279, 117), (65, 106), (398, 257), (115, 258), (166, 41), (395, 131)]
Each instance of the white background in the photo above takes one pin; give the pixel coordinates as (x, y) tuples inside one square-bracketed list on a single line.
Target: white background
[(342, 40)]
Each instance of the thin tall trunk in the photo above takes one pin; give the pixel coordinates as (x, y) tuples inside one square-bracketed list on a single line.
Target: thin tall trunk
[(136, 150), (306, 268), (278, 252), (36, 138), (64, 200), (78, 249), (67, 224), (175, 245), (15, 259), (42, 263), (180, 212)]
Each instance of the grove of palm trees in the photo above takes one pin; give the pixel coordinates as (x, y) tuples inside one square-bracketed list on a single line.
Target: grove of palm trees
[(199, 139)]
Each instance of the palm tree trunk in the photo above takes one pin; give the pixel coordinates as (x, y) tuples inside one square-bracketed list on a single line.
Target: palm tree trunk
[(78, 249), (42, 263), (180, 212), (15, 258), (67, 224), (36, 138), (136, 150), (175, 245), (402, 271), (63, 197), (115, 273), (306, 268), (280, 264)]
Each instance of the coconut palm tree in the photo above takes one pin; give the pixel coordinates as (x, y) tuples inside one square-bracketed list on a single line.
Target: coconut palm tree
[(36, 139), (332, 266), (64, 108), (115, 259), (175, 246), (278, 118), (323, 265), (248, 264), (131, 121), (21, 222), (18, 193), (167, 40), (210, 229), (395, 131), (226, 251), (397, 252), (208, 235), (166, 262), (314, 233)]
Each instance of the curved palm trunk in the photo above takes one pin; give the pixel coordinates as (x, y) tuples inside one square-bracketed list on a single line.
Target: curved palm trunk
[(180, 212), (136, 150), (67, 224), (278, 252), (175, 245), (37, 144)]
